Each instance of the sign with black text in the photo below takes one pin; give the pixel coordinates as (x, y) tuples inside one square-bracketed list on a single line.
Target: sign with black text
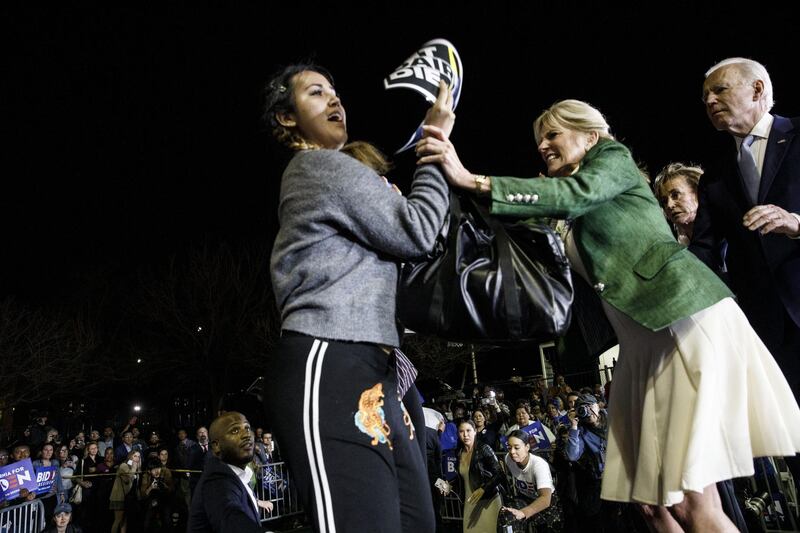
[(436, 60)]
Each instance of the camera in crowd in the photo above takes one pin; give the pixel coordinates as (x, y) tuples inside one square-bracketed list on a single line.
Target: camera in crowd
[(756, 505), (583, 406), (489, 399)]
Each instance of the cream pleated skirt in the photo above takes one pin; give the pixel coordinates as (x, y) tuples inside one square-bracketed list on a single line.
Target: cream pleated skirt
[(691, 404)]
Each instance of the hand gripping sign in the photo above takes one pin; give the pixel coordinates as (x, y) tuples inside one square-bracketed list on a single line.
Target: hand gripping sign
[(435, 60)]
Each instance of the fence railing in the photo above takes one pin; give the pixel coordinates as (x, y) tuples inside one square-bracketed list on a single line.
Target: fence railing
[(26, 517), (773, 498), (274, 484)]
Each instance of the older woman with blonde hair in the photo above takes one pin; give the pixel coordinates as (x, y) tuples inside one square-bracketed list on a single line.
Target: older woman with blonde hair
[(685, 346)]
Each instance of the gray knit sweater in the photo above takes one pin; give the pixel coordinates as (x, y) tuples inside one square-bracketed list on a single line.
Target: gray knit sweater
[(342, 234)]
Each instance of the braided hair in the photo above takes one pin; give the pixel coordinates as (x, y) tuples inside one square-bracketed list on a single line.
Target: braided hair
[(279, 98)]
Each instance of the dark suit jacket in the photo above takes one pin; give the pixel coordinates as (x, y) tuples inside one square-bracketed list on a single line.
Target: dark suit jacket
[(764, 270), (121, 453), (220, 503), (196, 460)]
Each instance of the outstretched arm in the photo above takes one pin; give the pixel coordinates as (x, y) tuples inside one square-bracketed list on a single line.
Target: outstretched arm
[(435, 147), (536, 506)]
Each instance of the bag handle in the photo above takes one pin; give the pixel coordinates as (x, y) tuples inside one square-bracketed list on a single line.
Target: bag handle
[(450, 237), (506, 267)]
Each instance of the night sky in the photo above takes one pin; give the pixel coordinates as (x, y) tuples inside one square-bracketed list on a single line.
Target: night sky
[(133, 133)]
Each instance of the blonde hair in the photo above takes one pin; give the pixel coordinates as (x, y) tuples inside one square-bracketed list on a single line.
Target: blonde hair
[(573, 115), (291, 139), (690, 173), (369, 155)]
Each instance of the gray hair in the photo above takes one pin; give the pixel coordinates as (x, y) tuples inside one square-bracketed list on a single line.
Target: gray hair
[(750, 71)]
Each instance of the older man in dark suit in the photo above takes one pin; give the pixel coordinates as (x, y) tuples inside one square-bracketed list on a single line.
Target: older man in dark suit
[(752, 201), (223, 500)]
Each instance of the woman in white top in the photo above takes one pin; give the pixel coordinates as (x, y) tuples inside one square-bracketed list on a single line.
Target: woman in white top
[(533, 484)]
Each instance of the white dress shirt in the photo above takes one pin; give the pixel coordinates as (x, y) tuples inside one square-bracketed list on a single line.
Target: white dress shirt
[(760, 133), (245, 475)]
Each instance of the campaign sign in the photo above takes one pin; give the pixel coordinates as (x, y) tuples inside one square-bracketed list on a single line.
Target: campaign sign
[(537, 438), (45, 478), (436, 60), (450, 464), (16, 476)]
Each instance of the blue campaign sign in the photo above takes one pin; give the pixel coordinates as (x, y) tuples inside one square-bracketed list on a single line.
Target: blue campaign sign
[(450, 464), (45, 478), (537, 437), (503, 442), (16, 476)]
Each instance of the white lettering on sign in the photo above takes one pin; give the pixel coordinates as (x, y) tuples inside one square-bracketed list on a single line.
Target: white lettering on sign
[(22, 478)]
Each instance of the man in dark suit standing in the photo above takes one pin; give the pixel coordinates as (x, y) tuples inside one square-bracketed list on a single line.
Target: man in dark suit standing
[(198, 454), (223, 500), (753, 202), (126, 446)]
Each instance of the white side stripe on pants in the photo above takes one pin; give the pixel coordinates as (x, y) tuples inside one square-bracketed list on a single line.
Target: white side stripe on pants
[(322, 491)]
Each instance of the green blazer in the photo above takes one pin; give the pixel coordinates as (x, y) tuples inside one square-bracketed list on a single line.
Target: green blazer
[(633, 261)]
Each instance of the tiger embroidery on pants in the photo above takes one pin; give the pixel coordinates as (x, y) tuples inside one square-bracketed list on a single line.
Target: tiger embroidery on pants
[(407, 421), (370, 418)]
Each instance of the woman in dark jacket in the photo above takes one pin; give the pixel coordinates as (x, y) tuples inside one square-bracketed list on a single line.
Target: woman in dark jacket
[(480, 471), (486, 431)]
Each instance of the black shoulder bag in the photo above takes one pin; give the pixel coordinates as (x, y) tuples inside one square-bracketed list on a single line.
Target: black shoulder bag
[(490, 280)]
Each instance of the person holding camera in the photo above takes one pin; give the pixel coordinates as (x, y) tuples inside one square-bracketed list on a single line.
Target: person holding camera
[(585, 448), (156, 493)]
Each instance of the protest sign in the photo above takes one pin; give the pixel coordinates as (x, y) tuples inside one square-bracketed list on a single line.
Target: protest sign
[(436, 60), (16, 476)]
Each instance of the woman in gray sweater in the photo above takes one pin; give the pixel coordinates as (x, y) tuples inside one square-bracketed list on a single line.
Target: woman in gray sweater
[(333, 393)]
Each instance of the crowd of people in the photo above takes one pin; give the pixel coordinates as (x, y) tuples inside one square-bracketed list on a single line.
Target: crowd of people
[(685, 344), (715, 323), (122, 480), (536, 462)]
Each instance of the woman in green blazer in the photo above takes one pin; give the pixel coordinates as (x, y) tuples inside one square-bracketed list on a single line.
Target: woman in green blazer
[(686, 350)]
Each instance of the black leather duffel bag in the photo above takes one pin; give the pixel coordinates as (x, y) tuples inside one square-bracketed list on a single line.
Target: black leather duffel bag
[(489, 280)]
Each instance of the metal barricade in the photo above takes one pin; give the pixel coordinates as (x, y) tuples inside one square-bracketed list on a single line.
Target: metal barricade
[(26, 517), (274, 484), (452, 507)]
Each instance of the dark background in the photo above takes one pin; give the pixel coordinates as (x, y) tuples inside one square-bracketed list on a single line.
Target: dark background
[(131, 132)]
